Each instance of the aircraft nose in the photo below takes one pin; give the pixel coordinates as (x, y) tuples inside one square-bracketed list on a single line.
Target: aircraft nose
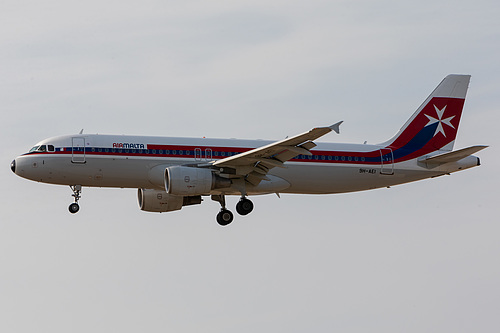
[(13, 166)]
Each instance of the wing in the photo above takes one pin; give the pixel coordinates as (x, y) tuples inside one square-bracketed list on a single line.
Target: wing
[(256, 163)]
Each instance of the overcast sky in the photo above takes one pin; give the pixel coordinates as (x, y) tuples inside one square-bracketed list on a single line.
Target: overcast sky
[(421, 257)]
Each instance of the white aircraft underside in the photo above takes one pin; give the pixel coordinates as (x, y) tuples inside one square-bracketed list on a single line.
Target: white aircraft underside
[(174, 172)]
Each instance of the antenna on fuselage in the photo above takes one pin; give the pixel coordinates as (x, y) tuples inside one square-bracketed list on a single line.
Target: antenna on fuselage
[(81, 132)]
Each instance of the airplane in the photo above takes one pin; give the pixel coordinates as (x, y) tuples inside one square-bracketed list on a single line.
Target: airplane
[(173, 172)]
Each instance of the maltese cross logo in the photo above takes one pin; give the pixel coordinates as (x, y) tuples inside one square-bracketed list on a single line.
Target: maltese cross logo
[(440, 121)]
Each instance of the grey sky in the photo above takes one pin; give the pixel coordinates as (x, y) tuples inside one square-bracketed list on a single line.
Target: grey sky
[(414, 258)]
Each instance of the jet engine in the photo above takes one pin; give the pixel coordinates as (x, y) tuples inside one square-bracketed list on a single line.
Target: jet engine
[(188, 181), (161, 201)]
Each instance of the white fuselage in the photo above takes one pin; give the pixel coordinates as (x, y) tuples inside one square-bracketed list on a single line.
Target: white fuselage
[(140, 162), (171, 173)]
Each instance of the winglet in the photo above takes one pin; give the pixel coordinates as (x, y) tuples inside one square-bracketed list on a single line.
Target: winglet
[(336, 127)]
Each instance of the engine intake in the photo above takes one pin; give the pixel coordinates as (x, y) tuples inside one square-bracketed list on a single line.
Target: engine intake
[(189, 181)]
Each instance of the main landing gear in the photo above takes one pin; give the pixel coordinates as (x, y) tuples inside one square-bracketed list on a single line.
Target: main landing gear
[(244, 206), (225, 216), (75, 207)]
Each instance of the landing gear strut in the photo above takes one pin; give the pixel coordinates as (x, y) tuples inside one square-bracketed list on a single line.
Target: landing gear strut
[(224, 217), (75, 207)]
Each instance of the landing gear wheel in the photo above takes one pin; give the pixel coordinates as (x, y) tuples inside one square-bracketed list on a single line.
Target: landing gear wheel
[(244, 206), (74, 208), (224, 217)]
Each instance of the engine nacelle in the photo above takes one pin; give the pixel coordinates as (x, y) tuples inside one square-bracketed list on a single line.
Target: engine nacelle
[(161, 201), (188, 181)]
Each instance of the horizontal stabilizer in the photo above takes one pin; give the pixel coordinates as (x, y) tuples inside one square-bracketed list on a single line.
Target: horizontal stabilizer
[(453, 156)]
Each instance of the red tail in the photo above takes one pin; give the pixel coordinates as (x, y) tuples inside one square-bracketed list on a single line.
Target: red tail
[(435, 123)]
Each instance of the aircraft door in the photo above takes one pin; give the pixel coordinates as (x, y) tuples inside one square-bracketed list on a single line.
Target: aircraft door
[(197, 154), (387, 161), (208, 154), (78, 150)]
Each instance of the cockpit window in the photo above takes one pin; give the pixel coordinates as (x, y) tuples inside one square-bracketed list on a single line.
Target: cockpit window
[(42, 148)]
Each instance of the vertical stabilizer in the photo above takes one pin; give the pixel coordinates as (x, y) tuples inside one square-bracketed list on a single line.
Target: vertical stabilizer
[(434, 125)]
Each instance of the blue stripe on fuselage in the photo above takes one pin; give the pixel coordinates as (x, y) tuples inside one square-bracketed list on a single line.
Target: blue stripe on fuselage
[(417, 142)]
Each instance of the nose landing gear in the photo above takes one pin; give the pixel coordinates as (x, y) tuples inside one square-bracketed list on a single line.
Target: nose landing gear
[(75, 207)]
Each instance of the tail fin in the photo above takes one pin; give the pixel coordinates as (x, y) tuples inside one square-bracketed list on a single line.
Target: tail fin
[(434, 125)]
